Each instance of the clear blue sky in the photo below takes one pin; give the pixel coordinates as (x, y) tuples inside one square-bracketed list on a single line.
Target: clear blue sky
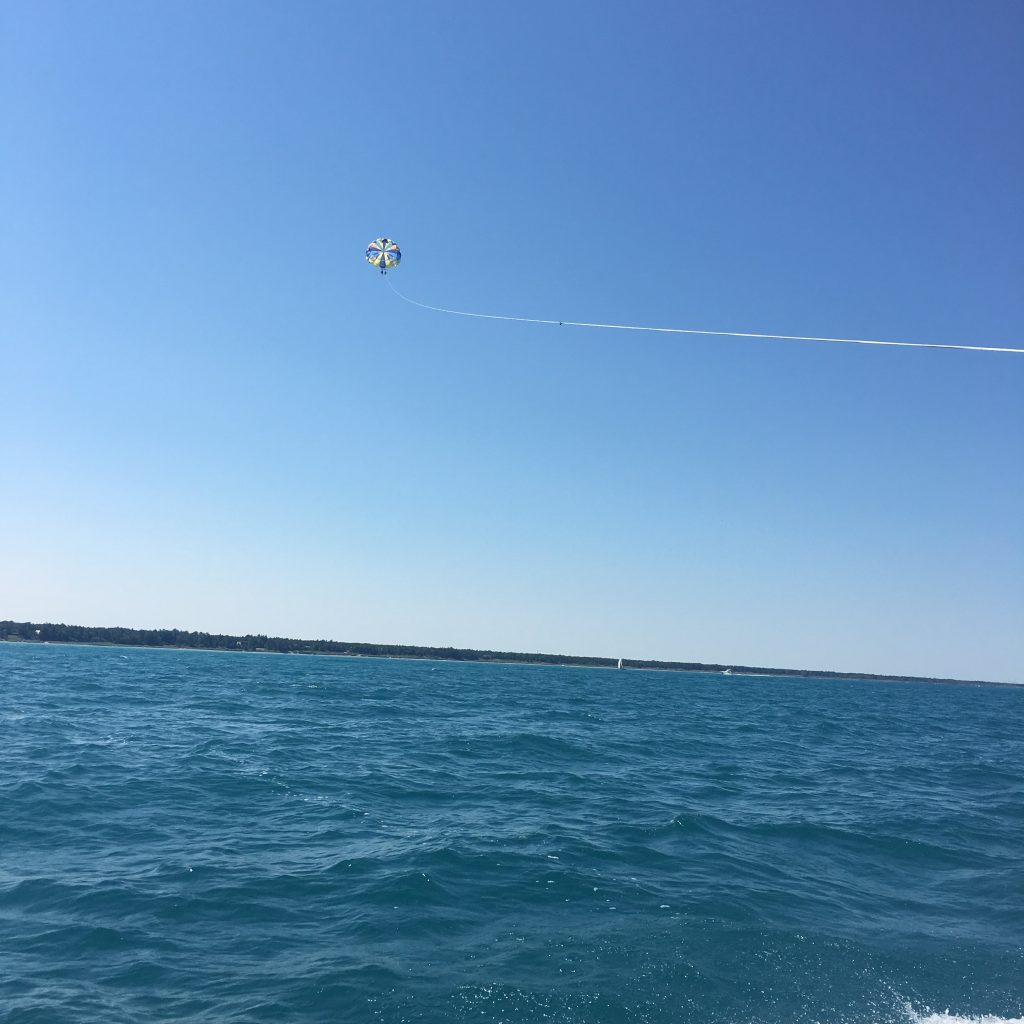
[(216, 416)]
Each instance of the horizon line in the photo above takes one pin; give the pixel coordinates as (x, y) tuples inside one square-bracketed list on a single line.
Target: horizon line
[(429, 652)]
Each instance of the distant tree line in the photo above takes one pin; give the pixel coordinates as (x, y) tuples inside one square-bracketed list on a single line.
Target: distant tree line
[(50, 632)]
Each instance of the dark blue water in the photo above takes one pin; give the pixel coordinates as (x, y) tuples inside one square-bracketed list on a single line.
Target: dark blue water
[(193, 836)]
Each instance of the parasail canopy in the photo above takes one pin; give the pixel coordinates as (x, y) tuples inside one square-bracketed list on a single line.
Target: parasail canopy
[(383, 253)]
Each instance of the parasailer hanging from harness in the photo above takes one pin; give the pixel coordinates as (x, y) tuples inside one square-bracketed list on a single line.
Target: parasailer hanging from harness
[(384, 254)]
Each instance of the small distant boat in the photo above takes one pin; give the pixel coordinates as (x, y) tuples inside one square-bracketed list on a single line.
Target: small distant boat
[(620, 663), (727, 672)]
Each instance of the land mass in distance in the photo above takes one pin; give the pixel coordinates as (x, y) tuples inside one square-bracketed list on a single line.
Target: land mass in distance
[(121, 636)]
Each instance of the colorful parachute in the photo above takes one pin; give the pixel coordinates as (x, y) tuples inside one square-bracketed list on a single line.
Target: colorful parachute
[(384, 254)]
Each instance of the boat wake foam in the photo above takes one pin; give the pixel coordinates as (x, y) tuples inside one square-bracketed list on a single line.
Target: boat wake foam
[(928, 1017)]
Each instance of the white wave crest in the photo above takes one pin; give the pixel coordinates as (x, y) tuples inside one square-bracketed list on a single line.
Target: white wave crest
[(952, 1018)]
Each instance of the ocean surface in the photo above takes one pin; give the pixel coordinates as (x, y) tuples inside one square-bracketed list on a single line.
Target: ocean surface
[(196, 836)]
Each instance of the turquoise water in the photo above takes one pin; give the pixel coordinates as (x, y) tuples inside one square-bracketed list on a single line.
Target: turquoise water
[(197, 836)]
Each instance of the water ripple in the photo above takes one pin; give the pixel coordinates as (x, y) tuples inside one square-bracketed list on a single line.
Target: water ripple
[(201, 837)]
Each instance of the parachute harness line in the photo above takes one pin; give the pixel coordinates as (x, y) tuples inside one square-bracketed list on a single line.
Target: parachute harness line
[(684, 330)]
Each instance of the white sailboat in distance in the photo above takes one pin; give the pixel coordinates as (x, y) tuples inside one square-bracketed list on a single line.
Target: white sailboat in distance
[(620, 663)]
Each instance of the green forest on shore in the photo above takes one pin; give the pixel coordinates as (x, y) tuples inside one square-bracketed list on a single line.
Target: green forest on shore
[(121, 636)]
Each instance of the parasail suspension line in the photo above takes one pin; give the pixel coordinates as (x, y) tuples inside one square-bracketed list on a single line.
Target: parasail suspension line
[(686, 330)]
